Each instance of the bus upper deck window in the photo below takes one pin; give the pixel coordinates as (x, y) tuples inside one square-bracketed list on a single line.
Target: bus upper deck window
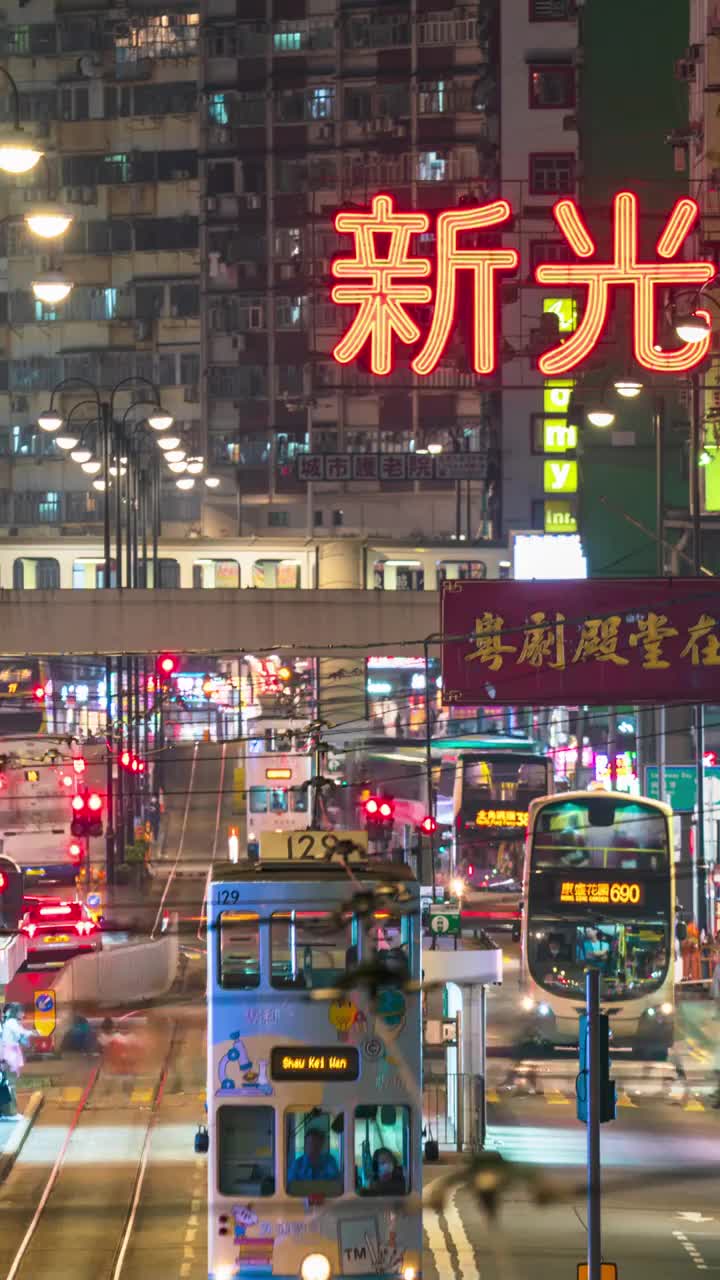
[(308, 948), (382, 1150), (246, 1151), (315, 1152), (239, 950)]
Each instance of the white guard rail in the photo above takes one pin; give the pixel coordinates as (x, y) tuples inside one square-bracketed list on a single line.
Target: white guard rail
[(120, 975), (13, 953)]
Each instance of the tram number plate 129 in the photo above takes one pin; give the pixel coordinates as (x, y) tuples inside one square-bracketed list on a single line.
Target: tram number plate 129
[(299, 846)]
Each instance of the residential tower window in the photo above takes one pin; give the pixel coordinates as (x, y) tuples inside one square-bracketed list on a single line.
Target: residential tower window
[(552, 174), (552, 86)]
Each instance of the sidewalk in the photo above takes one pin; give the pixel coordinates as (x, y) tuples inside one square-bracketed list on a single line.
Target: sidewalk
[(13, 1133)]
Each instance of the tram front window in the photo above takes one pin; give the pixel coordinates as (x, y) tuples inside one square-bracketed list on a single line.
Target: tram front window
[(315, 1152), (246, 1151), (382, 1150), (309, 948), (239, 936)]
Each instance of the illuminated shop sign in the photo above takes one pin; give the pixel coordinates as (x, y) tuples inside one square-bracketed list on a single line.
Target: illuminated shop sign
[(314, 1064), (595, 893), (386, 280)]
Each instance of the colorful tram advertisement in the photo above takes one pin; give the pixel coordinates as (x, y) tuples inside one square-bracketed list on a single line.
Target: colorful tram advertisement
[(600, 892), (314, 1082)]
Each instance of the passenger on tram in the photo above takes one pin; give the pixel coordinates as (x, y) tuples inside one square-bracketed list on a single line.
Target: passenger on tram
[(316, 1164), (388, 1177)]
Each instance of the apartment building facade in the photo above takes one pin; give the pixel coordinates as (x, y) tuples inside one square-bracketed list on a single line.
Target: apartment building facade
[(204, 151)]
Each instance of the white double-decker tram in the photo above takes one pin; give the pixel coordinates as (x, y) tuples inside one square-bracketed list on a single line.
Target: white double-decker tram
[(314, 1071)]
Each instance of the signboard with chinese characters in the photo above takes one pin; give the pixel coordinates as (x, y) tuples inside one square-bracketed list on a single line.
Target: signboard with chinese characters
[(597, 893), (407, 303), (502, 818), (391, 466), (600, 641)]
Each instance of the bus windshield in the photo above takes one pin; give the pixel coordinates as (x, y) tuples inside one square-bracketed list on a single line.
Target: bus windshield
[(599, 895)]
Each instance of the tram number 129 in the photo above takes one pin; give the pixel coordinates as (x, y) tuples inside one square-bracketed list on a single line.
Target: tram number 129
[(308, 845)]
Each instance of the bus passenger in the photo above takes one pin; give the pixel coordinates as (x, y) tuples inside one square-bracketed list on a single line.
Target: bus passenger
[(316, 1164), (388, 1177)]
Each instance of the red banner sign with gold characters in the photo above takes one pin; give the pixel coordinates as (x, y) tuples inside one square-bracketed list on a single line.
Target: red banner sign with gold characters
[(601, 641)]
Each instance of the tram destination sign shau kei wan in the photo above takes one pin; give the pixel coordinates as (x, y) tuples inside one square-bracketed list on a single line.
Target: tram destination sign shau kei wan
[(296, 1063), (599, 641)]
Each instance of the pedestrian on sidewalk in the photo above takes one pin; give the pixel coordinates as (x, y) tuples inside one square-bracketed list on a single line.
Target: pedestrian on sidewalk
[(12, 1060)]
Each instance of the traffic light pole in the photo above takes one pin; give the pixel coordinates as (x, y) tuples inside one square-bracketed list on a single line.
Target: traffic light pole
[(592, 997)]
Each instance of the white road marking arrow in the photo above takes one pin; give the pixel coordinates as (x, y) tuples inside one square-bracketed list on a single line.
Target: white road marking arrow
[(691, 1215)]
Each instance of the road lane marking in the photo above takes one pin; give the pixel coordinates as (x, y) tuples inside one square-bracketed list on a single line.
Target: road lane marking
[(142, 1095), (692, 1250), (693, 1104), (557, 1099), (624, 1100), (492, 1095), (71, 1093), (466, 1254)]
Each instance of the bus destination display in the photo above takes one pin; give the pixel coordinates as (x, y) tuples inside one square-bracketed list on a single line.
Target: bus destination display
[(502, 818), (600, 893), (314, 1064)]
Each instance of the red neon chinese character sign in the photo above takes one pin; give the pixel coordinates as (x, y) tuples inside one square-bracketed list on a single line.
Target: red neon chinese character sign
[(381, 302), (642, 277), (384, 284)]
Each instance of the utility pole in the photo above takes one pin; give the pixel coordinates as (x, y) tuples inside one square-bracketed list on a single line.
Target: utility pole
[(699, 869), (592, 997)]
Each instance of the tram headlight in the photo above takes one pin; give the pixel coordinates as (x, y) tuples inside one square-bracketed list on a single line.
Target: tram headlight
[(666, 1009), (543, 1010), (315, 1267), (409, 1273), (527, 1004)]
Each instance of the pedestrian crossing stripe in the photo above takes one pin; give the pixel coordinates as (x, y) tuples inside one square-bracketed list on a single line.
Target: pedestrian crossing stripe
[(693, 1104), (492, 1095), (624, 1100), (557, 1098), (71, 1093)]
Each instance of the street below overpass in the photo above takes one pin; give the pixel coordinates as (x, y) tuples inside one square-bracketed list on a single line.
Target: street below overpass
[(129, 1197)]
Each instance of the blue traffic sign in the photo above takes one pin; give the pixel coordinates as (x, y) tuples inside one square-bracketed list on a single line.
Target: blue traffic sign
[(45, 1001)]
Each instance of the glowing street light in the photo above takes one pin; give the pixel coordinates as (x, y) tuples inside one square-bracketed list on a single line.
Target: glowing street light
[(17, 154), (168, 442), (185, 482), (159, 420), (52, 287), (48, 221), (50, 420)]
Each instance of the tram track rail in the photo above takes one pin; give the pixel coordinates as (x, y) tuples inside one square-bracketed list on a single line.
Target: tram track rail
[(21, 1266)]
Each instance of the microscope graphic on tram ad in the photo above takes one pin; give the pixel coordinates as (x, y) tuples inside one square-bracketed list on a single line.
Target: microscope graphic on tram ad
[(238, 1074)]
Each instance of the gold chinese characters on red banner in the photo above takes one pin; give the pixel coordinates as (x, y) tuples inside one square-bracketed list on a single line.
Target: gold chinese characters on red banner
[(564, 643)]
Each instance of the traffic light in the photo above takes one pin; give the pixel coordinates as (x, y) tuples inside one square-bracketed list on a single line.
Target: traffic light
[(167, 665), (87, 815), (428, 825), (607, 1086), (125, 759), (75, 851), (379, 810), (39, 693)]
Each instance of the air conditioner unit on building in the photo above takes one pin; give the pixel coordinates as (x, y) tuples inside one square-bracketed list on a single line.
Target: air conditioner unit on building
[(143, 330), (191, 394), (19, 404), (685, 71), (253, 201), (211, 204), (570, 124), (89, 195), (239, 342), (694, 52)]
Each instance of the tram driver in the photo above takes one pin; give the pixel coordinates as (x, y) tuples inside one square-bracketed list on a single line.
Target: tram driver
[(316, 1164)]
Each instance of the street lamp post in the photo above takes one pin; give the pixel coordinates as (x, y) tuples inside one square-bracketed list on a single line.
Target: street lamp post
[(112, 441)]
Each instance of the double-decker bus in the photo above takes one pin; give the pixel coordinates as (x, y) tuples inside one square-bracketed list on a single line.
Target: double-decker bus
[(599, 891), (23, 695), (314, 1086), (278, 768)]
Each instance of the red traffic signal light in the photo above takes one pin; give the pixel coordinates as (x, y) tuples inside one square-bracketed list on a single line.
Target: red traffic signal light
[(78, 804), (39, 693), (284, 674), (125, 759), (75, 851), (94, 802), (428, 825), (379, 809), (87, 815), (167, 664)]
